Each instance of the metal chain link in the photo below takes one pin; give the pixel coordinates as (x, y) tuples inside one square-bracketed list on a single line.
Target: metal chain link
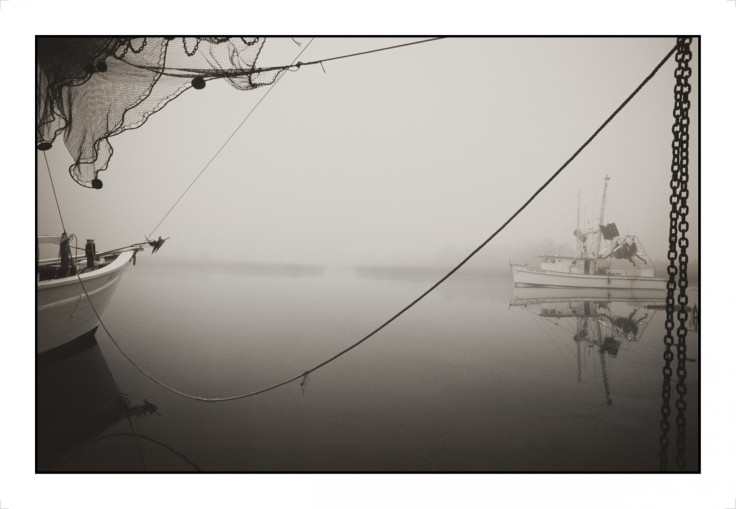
[(678, 224), (683, 61)]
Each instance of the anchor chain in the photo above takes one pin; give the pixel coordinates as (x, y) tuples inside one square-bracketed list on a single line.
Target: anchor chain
[(678, 224)]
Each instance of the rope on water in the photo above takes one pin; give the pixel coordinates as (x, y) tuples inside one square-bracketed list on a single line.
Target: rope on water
[(411, 304), (136, 436)]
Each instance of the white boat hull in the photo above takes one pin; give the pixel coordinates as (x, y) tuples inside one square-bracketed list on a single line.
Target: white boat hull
[(529, 276), (527, 295), (63, 310)]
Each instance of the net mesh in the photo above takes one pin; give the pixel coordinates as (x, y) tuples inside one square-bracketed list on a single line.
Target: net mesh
[(89, 89)]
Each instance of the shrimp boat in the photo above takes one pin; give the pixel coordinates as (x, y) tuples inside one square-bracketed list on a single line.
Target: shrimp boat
[(597, 262), (65, 286)]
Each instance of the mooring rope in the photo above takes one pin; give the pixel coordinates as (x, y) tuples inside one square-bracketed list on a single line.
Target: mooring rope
[(304, 374)]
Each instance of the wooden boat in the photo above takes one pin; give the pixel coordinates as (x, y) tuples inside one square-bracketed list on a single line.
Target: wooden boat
[(64, 289), (598, 262)]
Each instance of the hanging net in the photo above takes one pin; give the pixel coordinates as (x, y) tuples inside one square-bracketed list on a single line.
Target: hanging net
[(89, 89)]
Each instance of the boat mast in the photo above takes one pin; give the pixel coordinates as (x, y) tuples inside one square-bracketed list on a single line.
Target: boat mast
[(579, 230), (601, 215), (602, 353), (579, 338)]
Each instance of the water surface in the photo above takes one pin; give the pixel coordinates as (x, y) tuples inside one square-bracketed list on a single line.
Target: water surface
[(473, 378)]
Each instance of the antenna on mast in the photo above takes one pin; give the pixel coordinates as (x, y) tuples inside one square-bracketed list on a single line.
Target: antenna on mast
[(601, 215), (579, 230), (603, 200)]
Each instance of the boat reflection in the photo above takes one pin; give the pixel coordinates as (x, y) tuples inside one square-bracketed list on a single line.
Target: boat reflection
[(77, 402), (600, 320)]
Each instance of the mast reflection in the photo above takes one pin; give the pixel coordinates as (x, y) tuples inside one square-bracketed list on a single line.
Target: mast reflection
[(603, 319), (77, 402)]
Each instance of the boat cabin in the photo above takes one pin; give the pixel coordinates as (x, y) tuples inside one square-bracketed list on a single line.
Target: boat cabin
[(578, 265), (568, 264)]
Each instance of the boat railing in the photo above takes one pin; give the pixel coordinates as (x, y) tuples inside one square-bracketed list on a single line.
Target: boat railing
[(632, 272), (50, 268)]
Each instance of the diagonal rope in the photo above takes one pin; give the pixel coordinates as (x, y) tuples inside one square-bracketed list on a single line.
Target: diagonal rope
[(226, 141), (53, 188), (418, 299)]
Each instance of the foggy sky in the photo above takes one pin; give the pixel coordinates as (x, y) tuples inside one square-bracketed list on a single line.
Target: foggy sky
[(410, 156)]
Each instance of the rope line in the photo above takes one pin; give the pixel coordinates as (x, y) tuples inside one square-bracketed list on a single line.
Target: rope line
[(233, 73), (53, 188), (226, 142), (137, 444), (136, 435), (321, 61), (411, 304), (415, 301)]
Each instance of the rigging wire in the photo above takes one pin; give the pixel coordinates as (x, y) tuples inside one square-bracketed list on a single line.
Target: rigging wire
[(558, 331), (233, 73), (544, 326), (137, 444), (416, 300), (53, 188), (434, 286), (136, 435), (361, 53), (226, 142)]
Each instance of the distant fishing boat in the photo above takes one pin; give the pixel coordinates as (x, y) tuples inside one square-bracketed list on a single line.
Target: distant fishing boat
[(597, 263), (66, 284)]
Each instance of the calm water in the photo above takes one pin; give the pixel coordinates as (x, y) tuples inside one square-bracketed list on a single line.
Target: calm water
[(465, 381)]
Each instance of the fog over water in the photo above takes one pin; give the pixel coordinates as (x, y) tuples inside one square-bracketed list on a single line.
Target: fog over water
[(385, 159), (477, 377), (347, 193)]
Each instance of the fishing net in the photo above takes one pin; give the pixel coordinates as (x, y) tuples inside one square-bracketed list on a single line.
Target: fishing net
[(89, 89)]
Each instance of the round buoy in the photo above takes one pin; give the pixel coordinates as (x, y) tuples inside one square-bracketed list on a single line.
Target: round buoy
[(43, 146), (101, 66), (97, 183), (198, 83)]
